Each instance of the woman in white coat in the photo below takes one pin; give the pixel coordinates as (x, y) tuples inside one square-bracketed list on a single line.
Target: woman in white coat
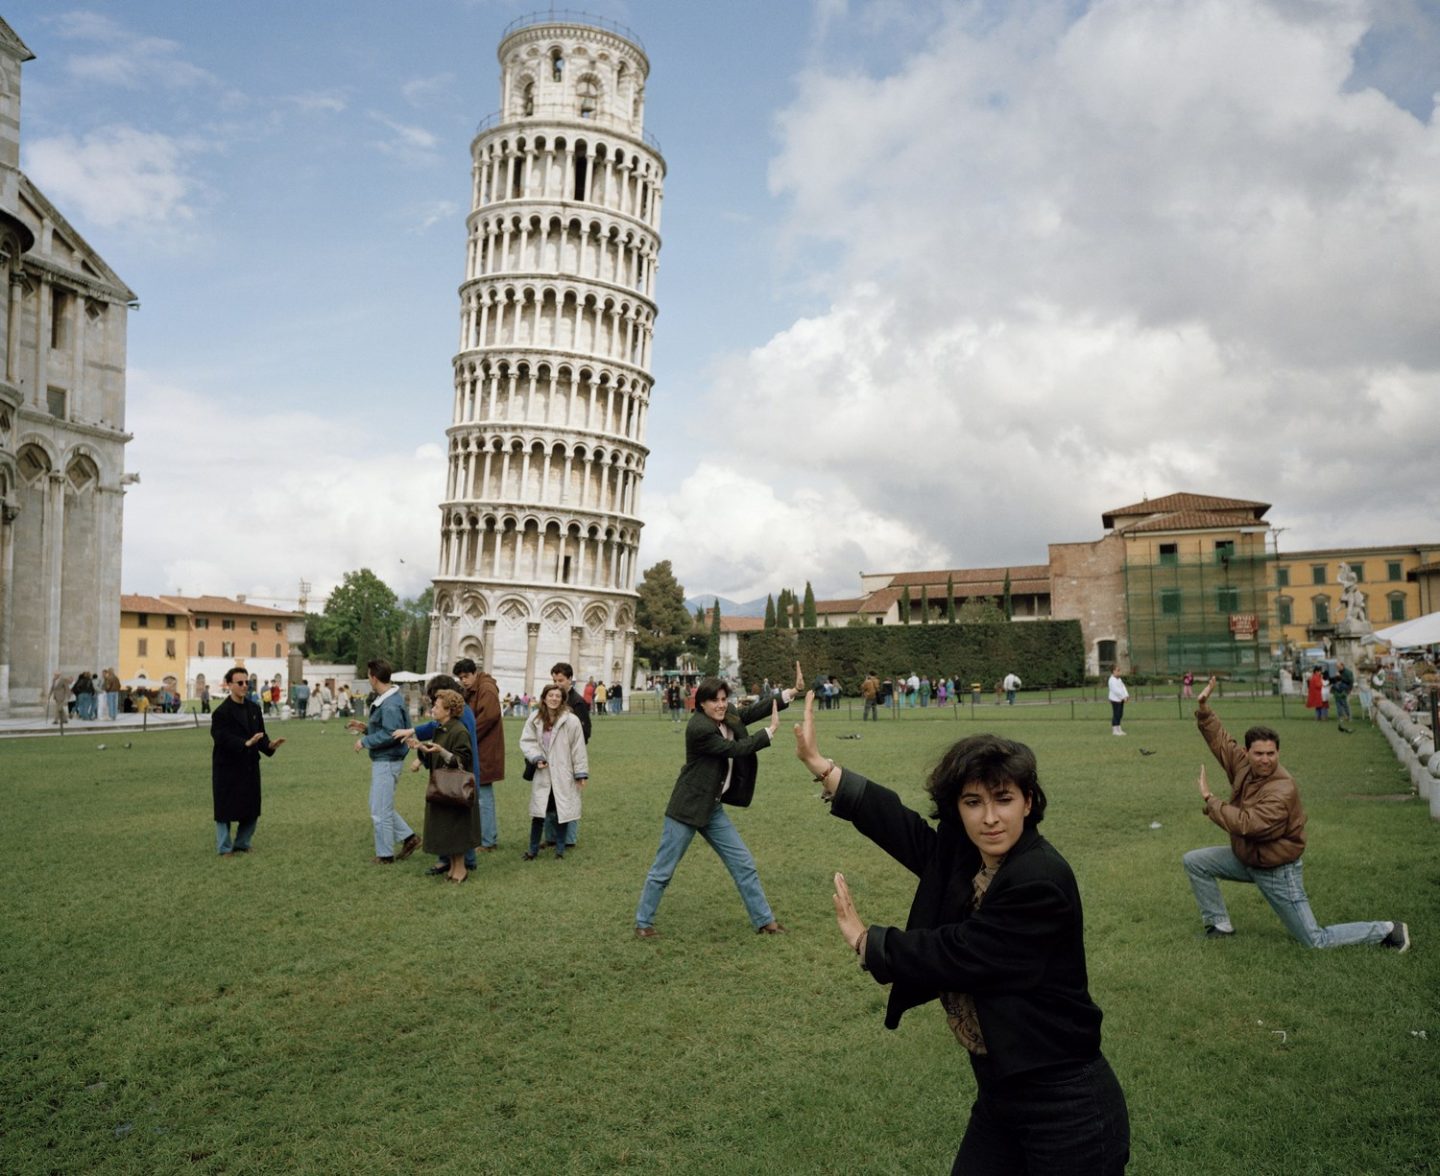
[(554, 743)]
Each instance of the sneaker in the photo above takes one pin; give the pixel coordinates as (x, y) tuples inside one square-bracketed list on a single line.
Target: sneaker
[(646, 933), (1116, 731), (408, 846), (1399, 938), (1213, 932)]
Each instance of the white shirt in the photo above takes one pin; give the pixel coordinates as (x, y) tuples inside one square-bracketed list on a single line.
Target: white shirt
[(1118, 693)]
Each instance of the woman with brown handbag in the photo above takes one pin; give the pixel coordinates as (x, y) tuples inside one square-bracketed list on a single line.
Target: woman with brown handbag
[(450, 831)]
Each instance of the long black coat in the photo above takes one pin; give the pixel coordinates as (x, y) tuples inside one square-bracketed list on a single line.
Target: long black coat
[(235, 768)]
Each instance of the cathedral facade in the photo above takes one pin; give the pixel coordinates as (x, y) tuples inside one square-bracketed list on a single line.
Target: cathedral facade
[(63, 325), (540, 525)]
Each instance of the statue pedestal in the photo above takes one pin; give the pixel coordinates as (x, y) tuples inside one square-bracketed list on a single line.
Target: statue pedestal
[(1352, 642)]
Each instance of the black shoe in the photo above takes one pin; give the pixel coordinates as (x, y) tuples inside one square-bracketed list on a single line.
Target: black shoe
[(435, 871), (1216, 933), (1399, 938)]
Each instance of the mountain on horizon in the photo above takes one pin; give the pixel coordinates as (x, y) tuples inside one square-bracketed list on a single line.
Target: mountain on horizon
[(728, 608)]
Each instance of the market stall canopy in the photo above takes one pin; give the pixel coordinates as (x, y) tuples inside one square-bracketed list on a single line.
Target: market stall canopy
[(1421, 631)]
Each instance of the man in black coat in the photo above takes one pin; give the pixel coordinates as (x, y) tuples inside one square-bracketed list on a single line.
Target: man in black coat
[(238, 730)]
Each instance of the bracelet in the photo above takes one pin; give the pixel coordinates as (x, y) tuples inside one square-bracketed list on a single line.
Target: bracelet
[(820, 779)]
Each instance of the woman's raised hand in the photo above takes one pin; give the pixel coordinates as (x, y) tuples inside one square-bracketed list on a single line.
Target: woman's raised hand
[(851, 925), (805, 750), (799, 678), (774, 720)]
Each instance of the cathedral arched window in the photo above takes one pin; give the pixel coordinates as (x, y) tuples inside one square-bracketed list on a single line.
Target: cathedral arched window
[(557, 65)]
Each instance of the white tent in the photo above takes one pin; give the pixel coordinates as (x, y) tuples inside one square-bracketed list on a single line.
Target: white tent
[(1408, 634)]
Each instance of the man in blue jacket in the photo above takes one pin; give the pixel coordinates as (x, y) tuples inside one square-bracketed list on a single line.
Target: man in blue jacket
[(387, 715)]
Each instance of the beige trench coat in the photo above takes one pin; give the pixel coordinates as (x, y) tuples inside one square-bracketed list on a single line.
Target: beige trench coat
[(567, 761)]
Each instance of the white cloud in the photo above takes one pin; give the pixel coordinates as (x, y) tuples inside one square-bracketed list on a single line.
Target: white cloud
[(735, 534), (1153, 247), (426, 91), (405, 140), (435, 212), (124, 58), (115, 175), (245, 499), (319, 101)]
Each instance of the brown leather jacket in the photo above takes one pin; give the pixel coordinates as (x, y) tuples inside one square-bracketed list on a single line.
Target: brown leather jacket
[(1264, 818), (484, 700)]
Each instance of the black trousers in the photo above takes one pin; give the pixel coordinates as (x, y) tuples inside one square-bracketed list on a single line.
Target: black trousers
[(1065, 1121)]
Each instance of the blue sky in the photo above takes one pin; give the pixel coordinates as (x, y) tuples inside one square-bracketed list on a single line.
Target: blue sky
[(940, 282)]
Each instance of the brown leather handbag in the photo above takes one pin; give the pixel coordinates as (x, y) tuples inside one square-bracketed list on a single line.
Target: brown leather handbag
[(452, 787)]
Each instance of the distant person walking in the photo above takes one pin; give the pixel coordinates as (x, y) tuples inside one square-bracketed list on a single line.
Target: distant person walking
[(1118, 696), (870, 692), (59, 696), (1011, 684), (1340, 686), (1316, 695), (237, 731), (1187, 684)]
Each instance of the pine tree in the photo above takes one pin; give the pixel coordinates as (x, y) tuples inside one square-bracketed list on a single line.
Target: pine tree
[(809, 609), (712, 646), (950, 600)]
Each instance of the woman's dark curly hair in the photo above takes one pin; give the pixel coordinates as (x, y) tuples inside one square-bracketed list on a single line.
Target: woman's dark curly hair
[(989, 761)]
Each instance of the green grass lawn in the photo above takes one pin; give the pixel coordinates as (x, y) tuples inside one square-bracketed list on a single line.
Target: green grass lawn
[(301, 1010)]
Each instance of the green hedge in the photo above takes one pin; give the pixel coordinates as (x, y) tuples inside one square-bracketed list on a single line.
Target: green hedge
[(1043, 653)]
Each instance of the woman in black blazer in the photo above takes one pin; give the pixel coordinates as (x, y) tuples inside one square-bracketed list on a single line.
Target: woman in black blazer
[(995, 934)]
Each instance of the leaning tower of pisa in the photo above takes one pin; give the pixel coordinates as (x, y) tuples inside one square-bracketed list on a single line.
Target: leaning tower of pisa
[(540, 526)]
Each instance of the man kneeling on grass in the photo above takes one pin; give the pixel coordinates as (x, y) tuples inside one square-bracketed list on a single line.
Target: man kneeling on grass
[(1266, 824)]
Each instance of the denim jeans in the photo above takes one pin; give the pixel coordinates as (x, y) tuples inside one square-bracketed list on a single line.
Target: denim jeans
[(390, 826), (1342, 705), (1071, 1119), (112, 703), (548, 821), (570, 838), (244, 830), (1283, 888), (725, 840), (1010, 697)]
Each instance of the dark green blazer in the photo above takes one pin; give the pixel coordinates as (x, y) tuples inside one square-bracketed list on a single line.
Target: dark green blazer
[(708, 753)]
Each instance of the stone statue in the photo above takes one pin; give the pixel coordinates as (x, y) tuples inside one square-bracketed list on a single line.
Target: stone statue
[(1351, 597)]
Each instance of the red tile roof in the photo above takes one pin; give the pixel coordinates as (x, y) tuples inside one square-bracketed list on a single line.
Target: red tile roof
[(149, 604), (1193, 520), (223, 604), (1185, 503)]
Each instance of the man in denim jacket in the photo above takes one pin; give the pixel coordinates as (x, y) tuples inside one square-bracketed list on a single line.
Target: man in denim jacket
[(388, 714)]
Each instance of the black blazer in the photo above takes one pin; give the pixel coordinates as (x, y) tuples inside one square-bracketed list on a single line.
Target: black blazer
[(708, 754), (1021, 955)]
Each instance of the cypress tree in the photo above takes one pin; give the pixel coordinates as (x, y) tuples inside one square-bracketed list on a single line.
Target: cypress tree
[(905, 606), (1007, 607), (770, 612), (950, 600), (810, 619), (924, 604)]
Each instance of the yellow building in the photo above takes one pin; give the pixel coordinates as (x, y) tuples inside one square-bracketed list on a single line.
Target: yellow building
[(1307, 588), (154, 639), (206, 635)]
